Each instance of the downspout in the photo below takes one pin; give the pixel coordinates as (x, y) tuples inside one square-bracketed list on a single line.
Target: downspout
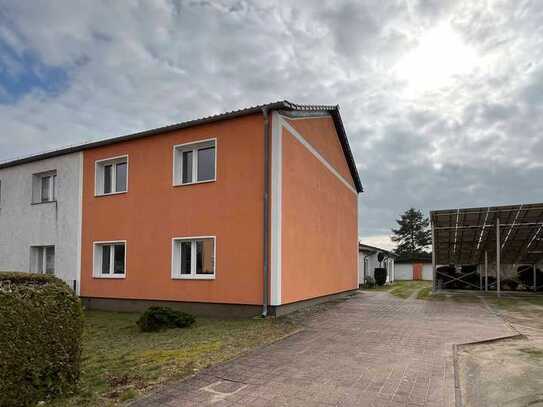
[(266, 237)]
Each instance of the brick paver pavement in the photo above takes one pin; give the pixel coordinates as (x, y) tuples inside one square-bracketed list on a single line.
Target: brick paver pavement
[(371, 350)]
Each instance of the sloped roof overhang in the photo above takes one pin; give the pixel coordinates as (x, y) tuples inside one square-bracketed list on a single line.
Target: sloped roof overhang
[(281, 105)]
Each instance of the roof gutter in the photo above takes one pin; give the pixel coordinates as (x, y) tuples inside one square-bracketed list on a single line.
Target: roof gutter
[(266, 228)]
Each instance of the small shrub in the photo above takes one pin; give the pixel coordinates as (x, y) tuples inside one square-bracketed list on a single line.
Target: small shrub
[(380, 275), (41, 323), (157, 318)]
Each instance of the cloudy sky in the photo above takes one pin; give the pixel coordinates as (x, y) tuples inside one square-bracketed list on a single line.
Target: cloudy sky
[(442, 100)]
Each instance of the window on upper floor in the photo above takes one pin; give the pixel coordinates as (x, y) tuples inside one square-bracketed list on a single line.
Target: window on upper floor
[(111, 176), (44, 187), (42, 259), (193, 258), (110, 259), (195, 162)]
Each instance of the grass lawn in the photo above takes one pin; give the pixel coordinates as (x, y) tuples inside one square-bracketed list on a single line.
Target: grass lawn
[(516, 304), (119, 362), (404, 289)]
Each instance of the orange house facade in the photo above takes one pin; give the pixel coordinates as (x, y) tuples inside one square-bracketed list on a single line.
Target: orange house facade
[(248, 212)]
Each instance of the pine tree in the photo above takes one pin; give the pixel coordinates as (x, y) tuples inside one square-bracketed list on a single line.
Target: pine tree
[(413, 235)]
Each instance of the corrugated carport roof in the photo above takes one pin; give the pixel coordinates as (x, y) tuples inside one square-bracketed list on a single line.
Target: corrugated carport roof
[(461, 236)]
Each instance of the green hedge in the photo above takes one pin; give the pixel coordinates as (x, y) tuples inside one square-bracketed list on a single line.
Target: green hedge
[(41, 323)]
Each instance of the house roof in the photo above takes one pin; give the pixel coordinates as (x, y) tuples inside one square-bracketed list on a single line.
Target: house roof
[(280, 105), (368, 248)]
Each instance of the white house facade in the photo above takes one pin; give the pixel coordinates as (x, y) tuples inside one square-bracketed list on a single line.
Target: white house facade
[(40, 217), (368, 261)]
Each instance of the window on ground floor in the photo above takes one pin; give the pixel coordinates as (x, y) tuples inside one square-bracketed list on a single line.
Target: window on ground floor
[(42, 259), (110, 259), (193, 258)]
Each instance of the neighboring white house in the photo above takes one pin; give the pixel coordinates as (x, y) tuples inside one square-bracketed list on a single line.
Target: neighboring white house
[(419, 268), (40, 206), (368, 261)]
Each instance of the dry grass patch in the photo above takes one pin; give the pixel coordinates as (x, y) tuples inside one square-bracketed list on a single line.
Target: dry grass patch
[(120, 362)]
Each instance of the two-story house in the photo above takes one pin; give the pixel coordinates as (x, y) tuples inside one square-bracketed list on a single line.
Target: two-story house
[(244, 212)]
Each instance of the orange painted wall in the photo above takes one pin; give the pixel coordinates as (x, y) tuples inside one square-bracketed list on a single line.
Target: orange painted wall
[(319, 224), (321, 134), (153, 212)]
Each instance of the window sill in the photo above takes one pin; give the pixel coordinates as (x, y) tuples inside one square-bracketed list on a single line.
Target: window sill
[(112, 276), (111, 193), (44, 202), (194, 277), (194, 183)]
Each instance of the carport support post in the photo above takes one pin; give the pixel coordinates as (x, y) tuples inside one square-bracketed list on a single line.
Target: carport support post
[(498, 257), (480, 277), (535, 274), (486, 271), (434, 282)]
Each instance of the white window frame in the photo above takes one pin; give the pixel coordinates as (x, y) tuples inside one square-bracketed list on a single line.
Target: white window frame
[(37, 184), (97, 259), (176, 259), (193, 146), (52, 182), (99, 175), (39, 260)]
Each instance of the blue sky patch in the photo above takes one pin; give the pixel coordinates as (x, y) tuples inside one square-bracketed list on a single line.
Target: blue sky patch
[(21, 73)]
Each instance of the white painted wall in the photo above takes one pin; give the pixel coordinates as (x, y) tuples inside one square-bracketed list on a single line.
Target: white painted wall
[(427, 272), (404, 271), (23, 224)]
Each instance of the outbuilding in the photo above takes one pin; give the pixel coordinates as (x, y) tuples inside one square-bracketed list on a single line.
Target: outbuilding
[(413, 268), (371, 257)]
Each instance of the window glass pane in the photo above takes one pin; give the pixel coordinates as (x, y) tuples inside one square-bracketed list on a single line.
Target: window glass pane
[(120, 177), (185, 257), (53, 187), (108, 173), (39, 253), (206, 164), (204, 256), (50, 260), (106, 253), (187, 167), (45, 185), (118, 265)]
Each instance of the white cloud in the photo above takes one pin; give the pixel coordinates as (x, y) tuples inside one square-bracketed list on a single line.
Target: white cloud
[(472, 137)]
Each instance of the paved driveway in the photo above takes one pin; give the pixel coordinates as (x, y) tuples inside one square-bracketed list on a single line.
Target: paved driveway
[(372, 350)]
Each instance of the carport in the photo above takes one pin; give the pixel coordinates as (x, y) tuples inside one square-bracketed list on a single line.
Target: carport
[(488, 248)]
